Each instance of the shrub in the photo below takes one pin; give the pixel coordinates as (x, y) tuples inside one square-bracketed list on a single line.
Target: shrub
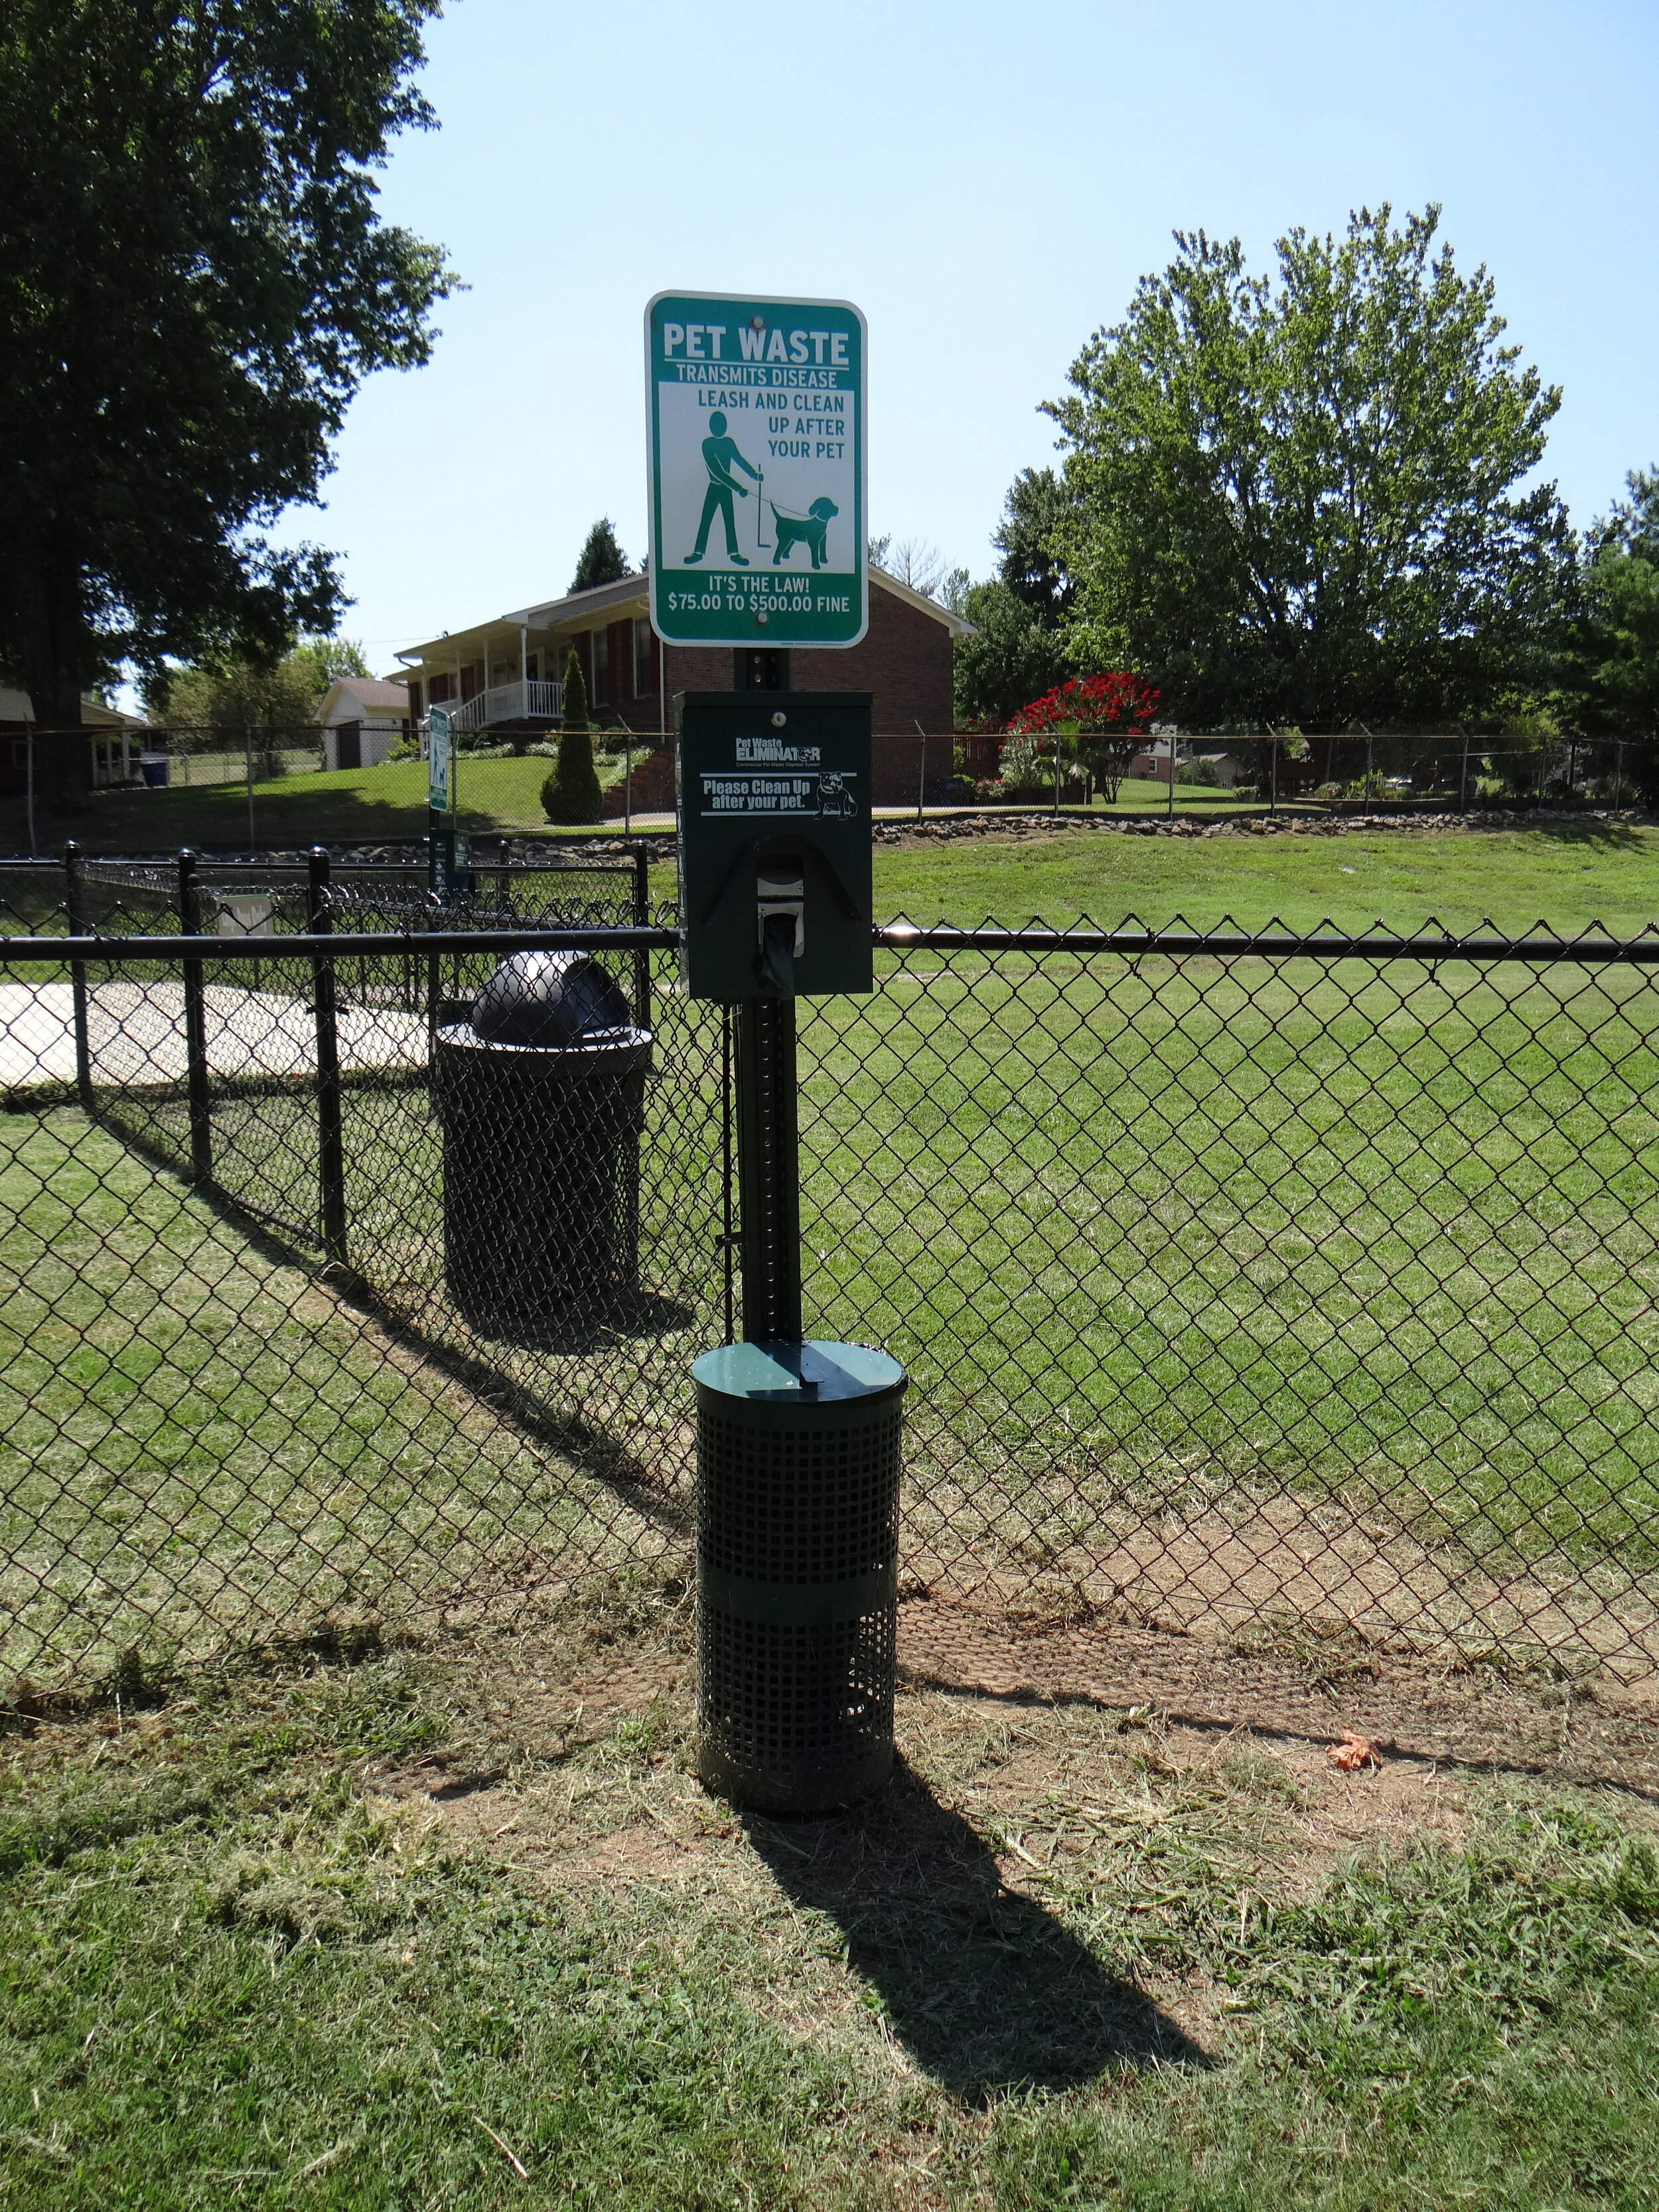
[(575, 694), (571, 793)]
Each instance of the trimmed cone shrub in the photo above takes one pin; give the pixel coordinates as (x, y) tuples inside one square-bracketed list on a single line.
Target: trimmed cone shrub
[(575, 694), (571, 793)]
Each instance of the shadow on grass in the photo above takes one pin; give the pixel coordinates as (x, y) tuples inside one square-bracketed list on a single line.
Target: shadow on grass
[(343, 808), (634, 1481), (1601, 836), (984, 1988)]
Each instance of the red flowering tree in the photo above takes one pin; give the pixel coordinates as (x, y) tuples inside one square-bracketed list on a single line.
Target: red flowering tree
[(1120, 703), (1105, 715)]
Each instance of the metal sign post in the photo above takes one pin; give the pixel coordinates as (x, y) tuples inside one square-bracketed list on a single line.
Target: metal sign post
[(798, 1440), (757, 507)]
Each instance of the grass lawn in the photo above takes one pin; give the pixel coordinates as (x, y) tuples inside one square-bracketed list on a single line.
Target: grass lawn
[(1161, 1247), (199, 1440), (1569, 873), (453, 1925), (349, 806), (1154, 1238), (416, 1932)]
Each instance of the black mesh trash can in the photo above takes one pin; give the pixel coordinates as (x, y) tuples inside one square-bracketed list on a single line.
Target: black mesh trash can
[(541, 1098), (797, 1480)]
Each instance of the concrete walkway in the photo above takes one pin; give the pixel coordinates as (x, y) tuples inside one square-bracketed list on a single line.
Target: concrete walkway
[(136, 1034)]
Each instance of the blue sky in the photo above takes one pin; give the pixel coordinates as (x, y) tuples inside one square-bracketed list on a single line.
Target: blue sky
[(986, 183)]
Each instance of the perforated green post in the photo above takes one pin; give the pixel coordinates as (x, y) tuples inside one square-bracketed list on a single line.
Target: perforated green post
[(798, 1478)]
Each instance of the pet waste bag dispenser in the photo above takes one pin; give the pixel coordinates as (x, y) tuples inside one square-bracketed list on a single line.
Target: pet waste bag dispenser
[(541, 1097), (798, 1441)]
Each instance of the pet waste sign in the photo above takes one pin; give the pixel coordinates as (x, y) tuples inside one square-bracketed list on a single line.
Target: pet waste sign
[(757, 451)]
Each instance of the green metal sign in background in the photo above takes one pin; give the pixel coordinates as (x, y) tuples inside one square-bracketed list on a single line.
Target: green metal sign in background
[(755, 410), (437, 767)]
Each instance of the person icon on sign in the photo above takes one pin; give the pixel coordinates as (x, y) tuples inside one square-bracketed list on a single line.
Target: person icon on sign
[(720, 456)]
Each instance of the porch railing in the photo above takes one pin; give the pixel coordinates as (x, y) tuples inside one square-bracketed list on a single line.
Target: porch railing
[(528, 701)]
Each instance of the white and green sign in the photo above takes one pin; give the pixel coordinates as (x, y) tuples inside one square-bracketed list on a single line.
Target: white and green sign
[(757, 462), (437, 772)]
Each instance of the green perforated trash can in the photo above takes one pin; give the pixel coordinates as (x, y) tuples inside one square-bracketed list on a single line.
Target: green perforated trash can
[(797, 1478)]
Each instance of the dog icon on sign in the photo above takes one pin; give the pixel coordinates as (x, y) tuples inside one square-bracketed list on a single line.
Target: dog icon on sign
[(811, 529), (834, 798)]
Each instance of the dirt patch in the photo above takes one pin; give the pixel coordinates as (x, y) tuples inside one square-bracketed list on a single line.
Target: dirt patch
[(1083, 1819), (1445, 1709)]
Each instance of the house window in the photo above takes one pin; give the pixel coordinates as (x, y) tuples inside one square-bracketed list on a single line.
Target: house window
[(439, 688), (645, 660), (601, 667)]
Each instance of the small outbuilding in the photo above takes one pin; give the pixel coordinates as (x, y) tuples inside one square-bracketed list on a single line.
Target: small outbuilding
[(362, 720)]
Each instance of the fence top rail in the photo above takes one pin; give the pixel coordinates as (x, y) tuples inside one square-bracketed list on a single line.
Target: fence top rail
[(99, 865), (29, 951), (897, 937), (1276, 942)]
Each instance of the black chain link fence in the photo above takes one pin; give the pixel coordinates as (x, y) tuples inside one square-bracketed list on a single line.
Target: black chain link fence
[(1254, 1287)]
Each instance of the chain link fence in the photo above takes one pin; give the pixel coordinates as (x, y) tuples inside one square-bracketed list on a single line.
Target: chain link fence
[(1254, 1287)]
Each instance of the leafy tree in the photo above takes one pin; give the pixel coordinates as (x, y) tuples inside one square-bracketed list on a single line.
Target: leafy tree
[(1028, 539), (1013, 655), (1302, 503), (1018, 650), (602, 560), (229, 694), (214, 700), (571, 792), (326, 657), (193, 282), (1100, 720), (1620, 633)]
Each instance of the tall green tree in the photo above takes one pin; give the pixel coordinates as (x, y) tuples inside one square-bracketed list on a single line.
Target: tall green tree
[(1017, 652), (602, 560), (1303, 501), (1619, 634), (1030, 539), (193, 282)]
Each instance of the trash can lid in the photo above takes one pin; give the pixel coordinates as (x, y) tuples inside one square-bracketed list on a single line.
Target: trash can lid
[(803, 1374), (548, 999)]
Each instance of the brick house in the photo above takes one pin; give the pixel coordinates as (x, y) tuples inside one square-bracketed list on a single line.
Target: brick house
[(505, 675)]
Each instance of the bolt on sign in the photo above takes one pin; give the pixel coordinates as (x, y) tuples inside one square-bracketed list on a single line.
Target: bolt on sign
[(758, 471)]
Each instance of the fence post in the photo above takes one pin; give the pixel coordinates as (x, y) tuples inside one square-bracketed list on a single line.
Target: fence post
[(196, 1060), (330, 1135), (75, 914), (642, 920)]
